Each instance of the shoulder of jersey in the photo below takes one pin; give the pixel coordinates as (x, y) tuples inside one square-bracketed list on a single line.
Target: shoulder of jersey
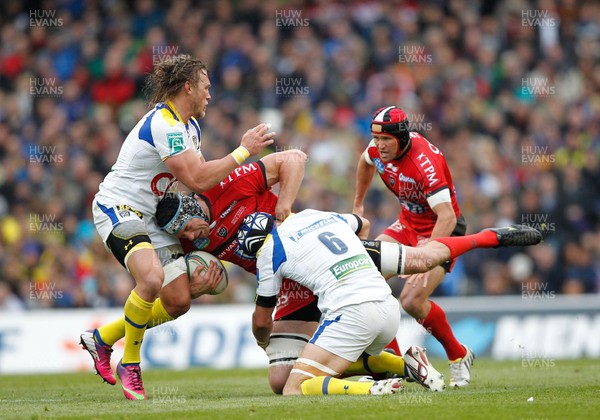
[(418, 137), (164, 115)]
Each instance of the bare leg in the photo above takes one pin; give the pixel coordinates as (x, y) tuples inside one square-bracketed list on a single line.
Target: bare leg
[(287, 342)]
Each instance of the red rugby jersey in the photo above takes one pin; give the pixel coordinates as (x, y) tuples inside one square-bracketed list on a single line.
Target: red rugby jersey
[(420, 173), (243, 192)]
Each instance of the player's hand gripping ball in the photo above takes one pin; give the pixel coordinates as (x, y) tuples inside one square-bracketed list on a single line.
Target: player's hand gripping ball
[(197, 259)]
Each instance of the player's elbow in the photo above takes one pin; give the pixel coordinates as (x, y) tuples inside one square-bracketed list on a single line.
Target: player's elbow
[(365, 229), (449, 219), (293, 161), (261, 324), (297, 157), (446, 216)]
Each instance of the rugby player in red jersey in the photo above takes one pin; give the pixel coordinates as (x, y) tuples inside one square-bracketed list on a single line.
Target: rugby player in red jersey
[(416, 172)]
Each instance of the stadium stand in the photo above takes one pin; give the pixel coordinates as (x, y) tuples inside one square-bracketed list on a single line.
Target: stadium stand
[(508, 90)]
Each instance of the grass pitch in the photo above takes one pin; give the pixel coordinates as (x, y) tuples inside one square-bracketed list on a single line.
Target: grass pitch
[(499, 390)]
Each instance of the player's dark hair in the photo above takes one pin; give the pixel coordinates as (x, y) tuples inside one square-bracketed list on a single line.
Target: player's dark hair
[(167, 208), (169, 76)]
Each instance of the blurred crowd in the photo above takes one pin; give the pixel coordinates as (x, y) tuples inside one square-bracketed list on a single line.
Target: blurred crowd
[(508, 90)]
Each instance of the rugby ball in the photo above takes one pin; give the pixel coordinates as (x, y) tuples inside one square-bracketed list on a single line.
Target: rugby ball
[(197, 259)]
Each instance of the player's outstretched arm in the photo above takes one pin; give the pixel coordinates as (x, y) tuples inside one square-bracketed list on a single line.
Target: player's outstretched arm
[(287, 168), (199, 175), (364, 175)]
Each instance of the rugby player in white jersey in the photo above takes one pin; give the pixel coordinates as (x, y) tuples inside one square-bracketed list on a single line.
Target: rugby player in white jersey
[(321, 251), (161, 150)]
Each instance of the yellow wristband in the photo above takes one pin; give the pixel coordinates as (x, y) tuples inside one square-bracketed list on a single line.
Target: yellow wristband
[(240, 154)]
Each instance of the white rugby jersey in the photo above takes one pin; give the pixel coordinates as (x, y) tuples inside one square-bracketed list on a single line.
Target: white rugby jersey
[(140, 177), (320, 251)]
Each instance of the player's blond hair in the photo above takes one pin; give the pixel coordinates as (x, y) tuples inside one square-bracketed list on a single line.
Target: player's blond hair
[(169, 76)]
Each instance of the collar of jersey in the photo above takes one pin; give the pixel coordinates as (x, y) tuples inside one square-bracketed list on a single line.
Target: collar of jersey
[(172, 108)]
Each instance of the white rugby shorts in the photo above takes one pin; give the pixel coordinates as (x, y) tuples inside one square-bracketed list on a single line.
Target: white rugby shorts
[(105, 221), (354, 329), (169, 249)]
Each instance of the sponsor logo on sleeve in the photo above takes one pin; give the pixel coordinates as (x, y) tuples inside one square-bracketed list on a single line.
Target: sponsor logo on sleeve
[(379, 165), (176, 142)]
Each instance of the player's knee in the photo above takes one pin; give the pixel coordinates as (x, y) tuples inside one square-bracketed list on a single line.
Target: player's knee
[(411, 303), (156, 280), (150, 279), (179, 306), (176, 304), (277, 382)]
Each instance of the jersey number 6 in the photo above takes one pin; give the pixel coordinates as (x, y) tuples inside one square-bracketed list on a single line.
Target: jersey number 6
[(333, 243)]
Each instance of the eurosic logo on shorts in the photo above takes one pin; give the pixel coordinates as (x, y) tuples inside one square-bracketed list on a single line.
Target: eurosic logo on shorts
[(351, 265)]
